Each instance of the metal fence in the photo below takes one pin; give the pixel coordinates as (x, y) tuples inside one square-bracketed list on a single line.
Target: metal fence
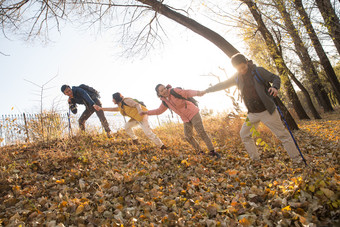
[(16, 128), (21, 128)]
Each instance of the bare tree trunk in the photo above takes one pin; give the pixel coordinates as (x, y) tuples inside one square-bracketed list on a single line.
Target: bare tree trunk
[(330, 73), (207, 33), (310, 104), (279, 61), (331, 21), (302, 52)]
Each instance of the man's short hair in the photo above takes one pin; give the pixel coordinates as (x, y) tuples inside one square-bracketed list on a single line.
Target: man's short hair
[(238, 59), (63, 88)]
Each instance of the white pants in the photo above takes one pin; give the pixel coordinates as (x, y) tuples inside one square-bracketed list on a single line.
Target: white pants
[(145, 127), (274, 123)]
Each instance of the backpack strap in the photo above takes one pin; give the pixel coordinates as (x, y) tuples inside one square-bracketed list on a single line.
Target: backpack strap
[(176, 95), (166, 105), (123, 104), (259, 78)]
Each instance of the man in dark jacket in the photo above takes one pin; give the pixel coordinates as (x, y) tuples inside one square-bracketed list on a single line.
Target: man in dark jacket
[(259, 102), (78, 95)]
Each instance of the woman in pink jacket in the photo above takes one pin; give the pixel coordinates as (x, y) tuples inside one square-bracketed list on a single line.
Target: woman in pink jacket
[(176, 99)]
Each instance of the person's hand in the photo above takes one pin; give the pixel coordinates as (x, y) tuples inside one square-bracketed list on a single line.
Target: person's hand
[(201, 93), (143, 113), (69, 100), (273, 91), (97, 108)]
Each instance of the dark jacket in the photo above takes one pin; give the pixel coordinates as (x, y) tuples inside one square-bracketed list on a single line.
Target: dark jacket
[(80, 96), (237, 80)]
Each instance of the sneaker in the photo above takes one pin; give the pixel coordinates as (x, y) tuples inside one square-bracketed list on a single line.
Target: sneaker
[(297, 160), (215, 154), (163, 147)]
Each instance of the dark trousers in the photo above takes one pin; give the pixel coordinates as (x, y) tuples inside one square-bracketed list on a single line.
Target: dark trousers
[(197, 123), (89, 111)]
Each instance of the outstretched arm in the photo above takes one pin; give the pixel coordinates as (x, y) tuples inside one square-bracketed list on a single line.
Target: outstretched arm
[(161, 109), (112, 109), (222, 85)]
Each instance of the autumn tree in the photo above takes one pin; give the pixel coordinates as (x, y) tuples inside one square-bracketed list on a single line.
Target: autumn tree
[(324, 60), (260, 53), (306, 61), (331, 21)]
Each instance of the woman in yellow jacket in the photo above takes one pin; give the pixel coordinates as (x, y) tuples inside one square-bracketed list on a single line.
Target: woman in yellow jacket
[(131, 108)]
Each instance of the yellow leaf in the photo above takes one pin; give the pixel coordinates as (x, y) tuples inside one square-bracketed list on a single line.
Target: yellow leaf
[(327, 192), (101, 209), (63, 204), (232, 172), (60, 181), (311, 188), (185, 162), (322, 184), (287, 208), (330, 170), (80, 209), (258, 141), (233, 203), (244, 222)]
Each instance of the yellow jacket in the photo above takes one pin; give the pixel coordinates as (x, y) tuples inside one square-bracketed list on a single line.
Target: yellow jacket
[(131, 109)]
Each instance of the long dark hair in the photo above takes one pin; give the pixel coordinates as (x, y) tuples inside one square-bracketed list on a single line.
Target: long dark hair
[(156, 88), (118, 97)]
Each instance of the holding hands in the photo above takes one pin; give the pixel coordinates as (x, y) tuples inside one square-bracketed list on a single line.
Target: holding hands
[(201, 93), (97, 108), (143, 112)]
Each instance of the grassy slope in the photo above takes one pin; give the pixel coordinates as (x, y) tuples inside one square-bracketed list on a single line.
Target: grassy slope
[(92, 180)]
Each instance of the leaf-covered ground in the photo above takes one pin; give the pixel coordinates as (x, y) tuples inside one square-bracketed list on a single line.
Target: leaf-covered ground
[(95, 181)]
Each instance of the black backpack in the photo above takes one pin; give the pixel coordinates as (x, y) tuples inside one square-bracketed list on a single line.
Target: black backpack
[(176, 95), (90, 90)]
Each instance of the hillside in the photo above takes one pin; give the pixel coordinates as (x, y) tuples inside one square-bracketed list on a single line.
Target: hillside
[(94, 181)]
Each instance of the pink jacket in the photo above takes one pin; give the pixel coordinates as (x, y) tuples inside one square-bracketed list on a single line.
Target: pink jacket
[(185, 109)]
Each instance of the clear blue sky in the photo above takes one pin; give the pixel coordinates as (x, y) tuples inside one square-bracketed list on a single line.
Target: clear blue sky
[(77, 57)]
